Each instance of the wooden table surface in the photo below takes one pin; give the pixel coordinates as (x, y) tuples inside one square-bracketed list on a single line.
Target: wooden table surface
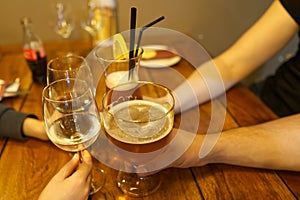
[(27, 166)]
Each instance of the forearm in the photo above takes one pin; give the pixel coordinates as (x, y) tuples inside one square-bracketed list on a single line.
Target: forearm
[(272, 145), (202, 85), (11, 122), (34, 128), (248, 53)]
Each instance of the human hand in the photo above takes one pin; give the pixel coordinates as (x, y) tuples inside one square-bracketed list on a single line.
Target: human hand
[(34, 128), (181, 152), (72, 182), (190, 157)]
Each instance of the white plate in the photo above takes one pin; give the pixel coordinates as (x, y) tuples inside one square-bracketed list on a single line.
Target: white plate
[(11, 90), (160, 62)]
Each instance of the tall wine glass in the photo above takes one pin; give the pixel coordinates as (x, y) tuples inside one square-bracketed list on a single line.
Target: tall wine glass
[(94, 23), (72, 119), (70, 66), (64, 26), (138, 115)]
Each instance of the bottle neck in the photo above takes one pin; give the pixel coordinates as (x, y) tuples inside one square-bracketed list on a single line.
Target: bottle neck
[(27, 31), (30, 40)]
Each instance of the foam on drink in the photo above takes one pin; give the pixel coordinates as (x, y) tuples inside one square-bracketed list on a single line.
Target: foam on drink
[(138, 121)]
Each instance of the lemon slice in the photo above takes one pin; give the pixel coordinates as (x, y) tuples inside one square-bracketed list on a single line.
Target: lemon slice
[(149, 53), (119, 46)]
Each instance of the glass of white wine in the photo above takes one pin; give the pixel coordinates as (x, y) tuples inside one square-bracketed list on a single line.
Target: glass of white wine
[(72, 119), (138, 115)]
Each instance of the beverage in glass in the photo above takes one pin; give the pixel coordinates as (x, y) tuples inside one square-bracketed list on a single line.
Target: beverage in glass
[(114, 59), (137, 117), (72, 119)]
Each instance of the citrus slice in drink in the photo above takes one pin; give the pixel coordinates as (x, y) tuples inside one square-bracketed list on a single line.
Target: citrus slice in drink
[(120, 49), (149, 53)]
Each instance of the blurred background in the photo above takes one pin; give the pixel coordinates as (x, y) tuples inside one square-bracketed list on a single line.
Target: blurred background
[(215, 24)]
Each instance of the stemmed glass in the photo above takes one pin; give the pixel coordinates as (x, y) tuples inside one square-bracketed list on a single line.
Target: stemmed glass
[(74, 66), (71, 118), (64, 26), (138, 115), (94, 23)]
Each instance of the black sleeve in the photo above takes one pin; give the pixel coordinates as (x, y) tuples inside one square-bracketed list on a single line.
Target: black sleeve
[(293, 8), (11, 122)]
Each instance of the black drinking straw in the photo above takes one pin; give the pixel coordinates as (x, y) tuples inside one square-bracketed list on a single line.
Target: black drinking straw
[(142, 30), (132, 38)]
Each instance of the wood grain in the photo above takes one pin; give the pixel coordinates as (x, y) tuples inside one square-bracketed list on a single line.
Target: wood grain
[(27, 166)]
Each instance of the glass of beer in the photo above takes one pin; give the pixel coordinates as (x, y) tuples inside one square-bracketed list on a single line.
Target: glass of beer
[(137, 116)]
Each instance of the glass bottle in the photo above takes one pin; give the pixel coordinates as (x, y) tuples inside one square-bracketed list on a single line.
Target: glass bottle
[(34, 53)]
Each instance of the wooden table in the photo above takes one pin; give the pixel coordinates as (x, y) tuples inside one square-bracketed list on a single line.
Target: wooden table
[(27, 166)]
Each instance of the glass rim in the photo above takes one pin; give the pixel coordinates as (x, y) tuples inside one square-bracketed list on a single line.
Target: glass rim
[(53, 60), (47, 88), (125, 59), (168, 91)]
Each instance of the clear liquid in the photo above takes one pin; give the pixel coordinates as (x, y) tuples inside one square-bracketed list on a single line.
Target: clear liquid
[(70, 106), (144, 121), (74, 132)]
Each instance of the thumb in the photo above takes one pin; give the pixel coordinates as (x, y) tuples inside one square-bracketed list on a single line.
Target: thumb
[(69, 167), (85, 167)]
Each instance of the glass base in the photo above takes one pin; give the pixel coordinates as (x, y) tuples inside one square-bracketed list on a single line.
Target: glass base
[(138, 186), (98, 179)]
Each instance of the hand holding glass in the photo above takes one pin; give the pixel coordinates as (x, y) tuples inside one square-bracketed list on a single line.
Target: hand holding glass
[(71, 116)]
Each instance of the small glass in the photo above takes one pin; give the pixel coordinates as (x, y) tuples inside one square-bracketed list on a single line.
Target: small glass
[(116, 63)]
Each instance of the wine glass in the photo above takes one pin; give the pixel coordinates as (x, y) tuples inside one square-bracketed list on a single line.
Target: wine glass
[(94, 23), (63, 26), (70, 66), (138, 114), (74, 66), (72, 119)]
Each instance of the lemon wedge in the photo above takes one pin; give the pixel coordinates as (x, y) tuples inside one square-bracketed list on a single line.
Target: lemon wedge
[(149, 53), (119, 46)]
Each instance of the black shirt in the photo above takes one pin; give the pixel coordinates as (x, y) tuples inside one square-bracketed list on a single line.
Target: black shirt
[(281, 92), (11, 122)]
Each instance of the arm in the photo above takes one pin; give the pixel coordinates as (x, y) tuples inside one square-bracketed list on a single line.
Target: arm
[(72, 181), (18, 125), (254, 47), (271, 145), (34, 128)]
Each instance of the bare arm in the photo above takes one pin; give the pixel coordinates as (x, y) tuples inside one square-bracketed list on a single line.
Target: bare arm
[(265, 38), (271, 145), (34, 128)]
